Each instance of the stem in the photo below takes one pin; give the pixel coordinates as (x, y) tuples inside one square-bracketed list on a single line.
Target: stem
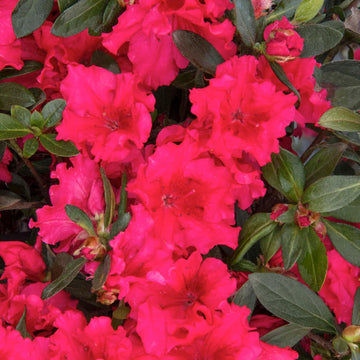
[(24, 205), (321, 341), (42, 185)]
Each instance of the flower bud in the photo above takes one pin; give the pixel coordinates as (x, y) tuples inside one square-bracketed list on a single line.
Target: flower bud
[(352, 333)]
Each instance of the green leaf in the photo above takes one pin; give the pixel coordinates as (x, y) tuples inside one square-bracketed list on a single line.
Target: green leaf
[(245, 21), (341, 119), (285, 8), (355, 319), (29, 66), (319, 38), (101, 273), (123, 195), (291, 175), (109, 199), (2, 150), (331, 192), (270, 244), (291, 244), (52, 112), (37, 120), (288, 216), (281, 75), (197, 50), (349, 212), (307, 10), (292, 301), (287, 335), (70, 271), (7, 199), (351, 137), (270, 173), (346, 240), (323, 162), (78, 17), (313, 262), (64, 4), (110, 16), (245, 296), (342, 80), (30, 147), (21, 326), (21, 114), (29, 15), (39, 96), (104, 60), (80, 218), (58, 147), (11, 128), (15, 94), (59, 262), (120, 224), (255, 228)]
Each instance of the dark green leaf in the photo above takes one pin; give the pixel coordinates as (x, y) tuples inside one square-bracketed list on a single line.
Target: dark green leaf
[(331, 193), (123, 195), (281, 75), (109, 199), (319, 38), (245, 21), (186, 78), (30, 147), (29, 15), (349, 213), (292, 301), (110, 16), (245, 296), (254, 229), (21, 326), (64, 4), (323, 162), (70, 271), (104, 60), (80, 218), (120, 224), (307, 10), (8, 198), (355, 355), (346, 240), (287, 335), (2, 150), (355, 319), (37, 120), (270, 244), (288, 216), (340, 119), (59, 262), (58, 147), (78, 17), (313, 263), (21, 114), (291, 243), (197, 50), (39, 96), (29, 67), (270, 173), (15, 94), (285, 8), (11, 128), (291, 175), (351, 137), (245, 265), (101, 273), (52, 112)]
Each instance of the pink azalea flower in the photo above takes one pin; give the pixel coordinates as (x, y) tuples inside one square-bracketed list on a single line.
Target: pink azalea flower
[(4, 162), (110, 118), (260, 6)]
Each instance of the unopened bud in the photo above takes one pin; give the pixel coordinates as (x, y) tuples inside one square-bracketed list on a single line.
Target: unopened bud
[(352, 334)]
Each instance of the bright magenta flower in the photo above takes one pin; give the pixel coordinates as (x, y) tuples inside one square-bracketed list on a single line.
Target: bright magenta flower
[(106, 114), (4, 162)]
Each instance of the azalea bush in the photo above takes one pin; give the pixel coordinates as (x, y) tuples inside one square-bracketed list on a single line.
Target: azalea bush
[(180, 179)]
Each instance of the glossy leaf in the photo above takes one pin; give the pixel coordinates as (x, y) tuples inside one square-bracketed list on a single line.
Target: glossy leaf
[(313, 263), (104, 60), (292, 301), (78, 17), (59, 262), (11, 128), (120, 224), (52, 112), (123, 195), (39, 96), (197, 50), (291, 243), (307, 10), (245, 21), (21, 114), (285, 8), (64, 4), (349, 212), (319, 38), (80, 218), (255, 228), (29, 15), (351, 137), (355, 319), (29, 66), (37, 120), (270, 244), (346, 240), (70, 271), (58, 147), (331, 193), (341, 119), (101, 273), (287, 335), (323, 162), (21, 326), (245, 296), (30, 147), (109, 199), (110, 16), (270, 173), (15, 94)]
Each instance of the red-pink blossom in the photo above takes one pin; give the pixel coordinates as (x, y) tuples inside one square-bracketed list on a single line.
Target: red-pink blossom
[(4, 162), (110, 118), (260, 6)]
